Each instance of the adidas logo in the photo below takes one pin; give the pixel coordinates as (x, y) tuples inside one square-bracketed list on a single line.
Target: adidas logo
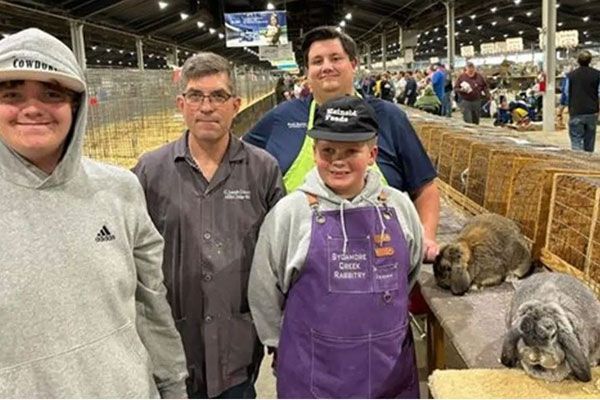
[(104, 235)]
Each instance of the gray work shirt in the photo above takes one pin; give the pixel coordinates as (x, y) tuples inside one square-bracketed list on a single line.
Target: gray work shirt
[(210, 231)]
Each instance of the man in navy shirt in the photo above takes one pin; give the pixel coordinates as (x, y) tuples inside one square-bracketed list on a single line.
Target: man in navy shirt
[(331, 61)]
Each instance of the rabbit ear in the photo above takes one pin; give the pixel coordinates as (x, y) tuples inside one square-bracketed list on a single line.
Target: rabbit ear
[(510, 355), (574, 355)]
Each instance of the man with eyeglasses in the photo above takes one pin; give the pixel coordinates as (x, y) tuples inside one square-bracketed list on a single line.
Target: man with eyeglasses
[(207, 194)]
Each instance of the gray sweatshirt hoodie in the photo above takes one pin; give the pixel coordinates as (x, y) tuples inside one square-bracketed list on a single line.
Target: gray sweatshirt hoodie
[(284, 239), (83, 311)]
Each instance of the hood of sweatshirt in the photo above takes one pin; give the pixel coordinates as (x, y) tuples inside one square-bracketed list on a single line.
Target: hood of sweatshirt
[(328, 199), (35, 55)]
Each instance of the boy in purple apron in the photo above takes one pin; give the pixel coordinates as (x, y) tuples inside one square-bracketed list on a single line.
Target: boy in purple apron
[(333, 267)]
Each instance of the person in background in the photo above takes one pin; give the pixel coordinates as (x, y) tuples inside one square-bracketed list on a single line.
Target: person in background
[(429, 102), (400, 86), (84, 311), (207, 194), (281, 91), (582, 91), (387, 88), (331, 60), (471, 87), (333, 267), (442, 86), (411, 89)]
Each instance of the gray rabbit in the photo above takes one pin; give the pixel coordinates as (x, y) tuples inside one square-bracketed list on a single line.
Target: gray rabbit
[(553, 328), (489, 249)]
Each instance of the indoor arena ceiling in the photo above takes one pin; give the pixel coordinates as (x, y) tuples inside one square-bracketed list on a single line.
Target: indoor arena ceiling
[(114, 24)]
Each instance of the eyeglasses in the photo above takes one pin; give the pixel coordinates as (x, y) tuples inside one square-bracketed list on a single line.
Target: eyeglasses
[(217, 98)]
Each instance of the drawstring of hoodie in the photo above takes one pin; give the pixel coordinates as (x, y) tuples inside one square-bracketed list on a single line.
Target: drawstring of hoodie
[(379, 214), (345, 246)]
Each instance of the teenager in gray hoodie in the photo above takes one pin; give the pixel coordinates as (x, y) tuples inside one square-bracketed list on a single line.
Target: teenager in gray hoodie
[(83, 311)]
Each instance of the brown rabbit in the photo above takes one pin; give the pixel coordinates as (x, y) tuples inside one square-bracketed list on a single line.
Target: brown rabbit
[(489, 250)]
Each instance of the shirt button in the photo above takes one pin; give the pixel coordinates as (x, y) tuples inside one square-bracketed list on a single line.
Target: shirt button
[(208, 319), (207, 235), (207, 277)]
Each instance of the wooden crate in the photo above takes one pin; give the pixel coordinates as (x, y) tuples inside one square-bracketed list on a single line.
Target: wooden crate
[(529, 201)]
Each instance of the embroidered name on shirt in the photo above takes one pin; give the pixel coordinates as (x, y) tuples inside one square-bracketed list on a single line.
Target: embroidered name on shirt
[(297, 125), (104, 235), (237, 194)]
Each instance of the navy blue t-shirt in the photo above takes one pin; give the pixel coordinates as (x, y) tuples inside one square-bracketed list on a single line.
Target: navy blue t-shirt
[(401, 157)]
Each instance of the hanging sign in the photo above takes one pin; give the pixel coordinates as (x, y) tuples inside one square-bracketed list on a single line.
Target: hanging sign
[(264, 28), (514, 44), (467, 51)]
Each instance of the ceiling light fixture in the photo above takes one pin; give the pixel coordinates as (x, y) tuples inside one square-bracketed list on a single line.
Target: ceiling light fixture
[(200, 24), (221, 36), (494, 9), (343, 23), (212, 31), (184, 16), (270, 6), (585, 19), (162, 5), (510, 19), (348, 16), (529, 13)]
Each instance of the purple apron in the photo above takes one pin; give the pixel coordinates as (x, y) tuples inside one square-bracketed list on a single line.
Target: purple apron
[(345, 331)]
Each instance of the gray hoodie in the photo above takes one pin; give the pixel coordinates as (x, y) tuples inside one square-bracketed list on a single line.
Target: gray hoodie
[(284, 239), (83, 311)]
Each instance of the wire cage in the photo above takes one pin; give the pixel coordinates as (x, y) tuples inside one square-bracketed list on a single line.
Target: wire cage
[(503, 166), (130, 112), (529, 201), (481, 154), (463, 150)]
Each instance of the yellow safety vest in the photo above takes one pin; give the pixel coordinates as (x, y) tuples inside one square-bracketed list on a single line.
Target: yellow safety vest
[(305, 161)]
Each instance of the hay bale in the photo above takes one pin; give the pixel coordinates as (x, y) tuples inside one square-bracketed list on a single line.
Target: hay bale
[(507, 384)]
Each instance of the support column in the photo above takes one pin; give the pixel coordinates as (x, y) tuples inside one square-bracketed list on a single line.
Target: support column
[(368, 46), (139, 45), (549, 32), (175, 57), (383, 50), (78, 42), (451, 38)]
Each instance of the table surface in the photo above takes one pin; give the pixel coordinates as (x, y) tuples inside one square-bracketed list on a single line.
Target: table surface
[(474, 322)]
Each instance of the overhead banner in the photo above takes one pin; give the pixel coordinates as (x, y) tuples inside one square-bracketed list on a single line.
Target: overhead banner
[(264, 28)]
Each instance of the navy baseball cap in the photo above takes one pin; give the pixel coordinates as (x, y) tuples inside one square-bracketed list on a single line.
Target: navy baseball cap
[(345, 119)]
